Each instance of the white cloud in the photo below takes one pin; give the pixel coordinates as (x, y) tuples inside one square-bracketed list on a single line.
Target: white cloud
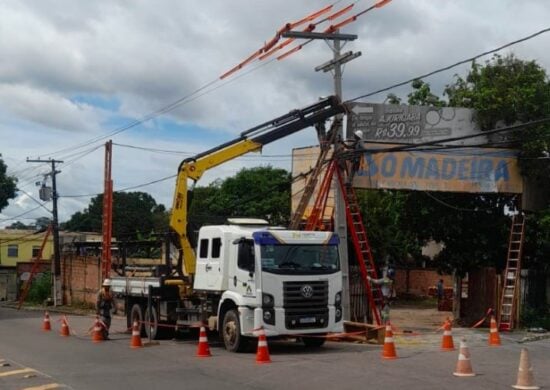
[(143, 55)]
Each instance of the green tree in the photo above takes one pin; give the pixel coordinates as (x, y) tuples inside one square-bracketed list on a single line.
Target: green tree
[(423, 96), (133, 214), (20, 225), (7, 185), (508, 90), (384, 218), (474, 227), (261, 192)]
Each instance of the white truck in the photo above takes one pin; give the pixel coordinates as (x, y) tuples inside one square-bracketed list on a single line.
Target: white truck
[(243, 275)]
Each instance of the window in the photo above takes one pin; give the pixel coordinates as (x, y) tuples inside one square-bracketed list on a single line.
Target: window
[(245, 257), (203, 249), (216, 248), (13, 250), (35, 251)]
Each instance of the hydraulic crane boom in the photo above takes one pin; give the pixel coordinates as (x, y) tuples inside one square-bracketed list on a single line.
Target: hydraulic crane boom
[(248, 141)]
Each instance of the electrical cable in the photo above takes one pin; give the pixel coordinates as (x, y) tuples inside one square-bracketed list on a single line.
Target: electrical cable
[(448, 67), (20, 215)]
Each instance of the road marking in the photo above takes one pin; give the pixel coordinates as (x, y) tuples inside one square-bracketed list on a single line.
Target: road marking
[(15, 372), (44, 387)]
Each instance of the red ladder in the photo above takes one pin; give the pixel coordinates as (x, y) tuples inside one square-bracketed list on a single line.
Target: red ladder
[(362, 247), (357, 231), (315, 219), (510, 288), (34, 269)]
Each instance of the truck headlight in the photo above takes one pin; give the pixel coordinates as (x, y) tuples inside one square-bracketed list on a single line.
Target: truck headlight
[(338, 298), (267, 300)]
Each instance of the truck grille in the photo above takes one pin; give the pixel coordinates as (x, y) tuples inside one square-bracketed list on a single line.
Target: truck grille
[(305, 304)]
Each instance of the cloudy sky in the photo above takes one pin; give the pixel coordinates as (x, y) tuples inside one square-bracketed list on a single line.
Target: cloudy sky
[(72, 73)]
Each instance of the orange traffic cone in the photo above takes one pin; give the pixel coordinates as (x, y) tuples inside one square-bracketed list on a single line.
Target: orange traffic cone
[(447, 340), (388, 352), (262, 354), (494, 337), (136, 336), (463, 366), (203, 350), (46, 325), (525, 373), (97, 334), (64, 328)]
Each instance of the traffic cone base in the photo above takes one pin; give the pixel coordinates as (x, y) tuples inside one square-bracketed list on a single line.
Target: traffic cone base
[(447, 343), (494, 337), (64, 328), (526, 380), (262, 354), (203, 350), (464, 366), (388, 351), (97, 335), (46, 325), (135, 342)]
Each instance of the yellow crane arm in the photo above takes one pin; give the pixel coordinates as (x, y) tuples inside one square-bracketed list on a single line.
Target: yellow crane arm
[(249, 141)]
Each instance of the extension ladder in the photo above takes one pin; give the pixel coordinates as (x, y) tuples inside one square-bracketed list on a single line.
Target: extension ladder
[(313, 178), (362, 248), (510, 288), (34, 269), (357, 232)]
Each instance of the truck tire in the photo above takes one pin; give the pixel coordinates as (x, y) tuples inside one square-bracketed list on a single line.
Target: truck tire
[(136, 314), (231, 332), (314, 342), (152, 327)]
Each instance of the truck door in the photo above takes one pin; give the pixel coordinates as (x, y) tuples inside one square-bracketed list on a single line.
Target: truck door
[(243, 278), (209, 273)]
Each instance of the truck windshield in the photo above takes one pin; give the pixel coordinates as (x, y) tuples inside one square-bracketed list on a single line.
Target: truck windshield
[(300, 259)]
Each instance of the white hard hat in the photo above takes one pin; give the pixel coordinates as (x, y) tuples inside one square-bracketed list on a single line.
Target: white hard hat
[(359, 134), (106, 283)]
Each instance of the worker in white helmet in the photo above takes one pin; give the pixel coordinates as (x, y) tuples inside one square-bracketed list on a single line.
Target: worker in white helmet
[(104, 305), (355, 146)]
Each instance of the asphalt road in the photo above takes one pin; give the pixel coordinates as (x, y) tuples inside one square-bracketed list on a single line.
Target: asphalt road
[(45, 360)]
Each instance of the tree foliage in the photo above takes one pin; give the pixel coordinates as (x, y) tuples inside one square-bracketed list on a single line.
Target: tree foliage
[(475, 227), (134, 214), (384, 217), (260, 192), (7, 185), (507, 91)]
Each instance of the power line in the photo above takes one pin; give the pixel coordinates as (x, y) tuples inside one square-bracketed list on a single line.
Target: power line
[(400, 84), (20, 215)]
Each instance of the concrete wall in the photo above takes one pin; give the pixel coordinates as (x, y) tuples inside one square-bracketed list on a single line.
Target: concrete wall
[(8, 284), (418, 281)]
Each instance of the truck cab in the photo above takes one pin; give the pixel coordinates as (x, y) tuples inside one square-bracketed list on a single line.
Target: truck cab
[(284, 281)]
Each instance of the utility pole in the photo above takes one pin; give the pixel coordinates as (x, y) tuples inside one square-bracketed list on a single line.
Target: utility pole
[(57, 258), (107, 212), (340, 222)]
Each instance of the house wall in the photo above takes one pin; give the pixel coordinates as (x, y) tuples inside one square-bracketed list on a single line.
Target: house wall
[(25, 240), (418, 282)]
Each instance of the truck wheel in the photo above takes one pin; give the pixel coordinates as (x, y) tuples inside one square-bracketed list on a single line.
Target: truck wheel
[(136, 314), (152, 328), (231, 332), (314, 342)]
